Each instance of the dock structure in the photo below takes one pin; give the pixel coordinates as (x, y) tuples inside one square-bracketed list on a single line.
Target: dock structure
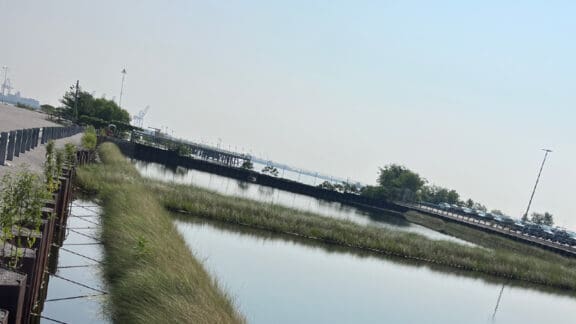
[(190, 149)]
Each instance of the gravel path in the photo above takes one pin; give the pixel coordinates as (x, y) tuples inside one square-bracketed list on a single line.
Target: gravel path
[(12, 118)]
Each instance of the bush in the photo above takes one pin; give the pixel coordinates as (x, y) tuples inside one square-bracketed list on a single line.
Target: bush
[(89, 139)]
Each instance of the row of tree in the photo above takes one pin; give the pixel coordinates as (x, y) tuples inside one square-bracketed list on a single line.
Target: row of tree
[(398, 183), (86, 109)]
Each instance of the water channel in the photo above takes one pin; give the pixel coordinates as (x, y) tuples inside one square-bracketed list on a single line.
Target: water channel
[(265, 194), (76, 291), (278, 279)]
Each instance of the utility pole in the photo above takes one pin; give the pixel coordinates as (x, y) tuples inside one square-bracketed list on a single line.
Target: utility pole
[(76, 101), (536, 184), (5, 68), (122, 87)]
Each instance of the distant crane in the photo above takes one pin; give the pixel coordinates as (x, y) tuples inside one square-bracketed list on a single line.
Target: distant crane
[(138, 120)]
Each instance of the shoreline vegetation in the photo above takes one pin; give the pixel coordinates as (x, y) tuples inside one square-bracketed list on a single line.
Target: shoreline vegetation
[(151, 274), (544, 268), (504, 258)]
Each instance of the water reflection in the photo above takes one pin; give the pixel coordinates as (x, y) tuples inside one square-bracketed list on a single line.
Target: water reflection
[(270, 195), (275, 279)]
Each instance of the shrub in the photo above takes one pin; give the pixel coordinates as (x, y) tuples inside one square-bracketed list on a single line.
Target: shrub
[(89, 138)]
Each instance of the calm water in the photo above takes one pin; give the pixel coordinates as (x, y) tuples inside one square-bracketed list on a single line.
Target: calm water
[(68, 301), (277, 280), (253, 191)]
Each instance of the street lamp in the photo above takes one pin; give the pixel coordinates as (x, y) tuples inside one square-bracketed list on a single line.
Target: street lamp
[(536, 184), (5, 68), (122, 87)]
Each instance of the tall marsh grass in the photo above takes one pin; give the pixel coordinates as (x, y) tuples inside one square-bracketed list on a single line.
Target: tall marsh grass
[(152, 276), (505, 259)]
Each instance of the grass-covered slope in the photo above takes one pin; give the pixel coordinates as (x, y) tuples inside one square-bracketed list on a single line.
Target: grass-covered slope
[(151, 274)]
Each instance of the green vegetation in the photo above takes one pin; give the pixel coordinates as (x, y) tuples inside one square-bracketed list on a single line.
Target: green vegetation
[(25, 106), (21, 201), (542, 219), (484, 239), (345, 187), (271, 170), (90, 107), (499, 262), (247, 165), (89, 139), (152, 276)]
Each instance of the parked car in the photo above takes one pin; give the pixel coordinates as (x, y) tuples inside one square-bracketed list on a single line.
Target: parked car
[(533, 229), (467, 211), (518, 225), (490, 216), (444, 206), (547, 232), (562, 235), (506, 221)]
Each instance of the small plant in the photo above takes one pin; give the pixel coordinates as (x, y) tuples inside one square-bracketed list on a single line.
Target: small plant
[(59, 163), (70, 154), (141, 247), (21, 202), (247, 165), (50, 168), (89, 139)]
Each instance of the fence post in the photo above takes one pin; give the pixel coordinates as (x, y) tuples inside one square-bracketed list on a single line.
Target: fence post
[(11, 145), (28, 139), (18, 143), (35, 141), (3, 145), (23, 142)]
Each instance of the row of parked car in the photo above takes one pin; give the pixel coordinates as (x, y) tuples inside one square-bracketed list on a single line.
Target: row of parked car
[(555, 234)]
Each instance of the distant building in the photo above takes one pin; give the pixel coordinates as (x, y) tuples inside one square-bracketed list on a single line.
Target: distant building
[(17, 99)]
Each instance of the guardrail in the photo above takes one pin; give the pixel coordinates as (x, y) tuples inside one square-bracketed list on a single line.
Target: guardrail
[(16, 142)]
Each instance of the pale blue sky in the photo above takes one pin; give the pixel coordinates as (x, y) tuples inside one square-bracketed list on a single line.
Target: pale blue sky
[(465, 93)]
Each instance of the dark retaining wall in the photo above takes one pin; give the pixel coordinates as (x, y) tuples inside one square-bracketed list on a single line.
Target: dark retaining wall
[(172, 159)]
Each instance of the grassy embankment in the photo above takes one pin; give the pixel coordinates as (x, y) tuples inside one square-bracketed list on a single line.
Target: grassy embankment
[(485, 239), (507, 259), (151, 274)]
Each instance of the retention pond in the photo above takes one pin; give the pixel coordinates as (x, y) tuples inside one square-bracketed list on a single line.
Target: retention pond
[(280, 279)]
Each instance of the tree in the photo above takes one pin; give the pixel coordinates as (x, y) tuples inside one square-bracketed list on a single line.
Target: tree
[(543, 219), (397, 176), (350, 188), (470, 203), (496, 212), (247, 165), (326, 185), (87, 105), (270, 169), (374, 192), (479, 206)]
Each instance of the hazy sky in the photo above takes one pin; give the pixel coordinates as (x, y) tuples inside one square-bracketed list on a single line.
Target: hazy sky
[(464, 93)]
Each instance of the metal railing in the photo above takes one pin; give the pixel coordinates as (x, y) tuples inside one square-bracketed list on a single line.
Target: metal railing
[(16, 142)]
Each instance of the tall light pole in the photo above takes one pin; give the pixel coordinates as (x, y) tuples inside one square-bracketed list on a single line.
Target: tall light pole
[(122, 87), (5, 68), (76, 101), (536, 184)]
